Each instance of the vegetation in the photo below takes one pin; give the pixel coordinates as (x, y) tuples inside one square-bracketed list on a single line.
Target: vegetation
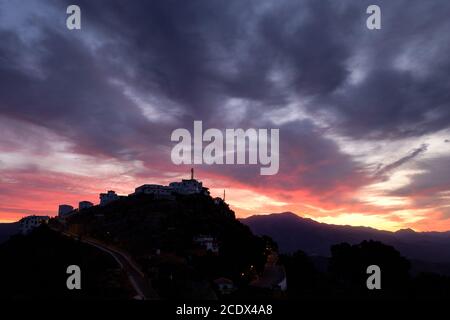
[(34, 267), (160, 234), (345, 277)]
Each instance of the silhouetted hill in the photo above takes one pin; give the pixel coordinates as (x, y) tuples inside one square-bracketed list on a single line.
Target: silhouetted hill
[(292, 233), (7, 230), (160, 234)]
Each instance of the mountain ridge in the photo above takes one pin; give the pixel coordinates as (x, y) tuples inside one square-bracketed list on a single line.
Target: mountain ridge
[(294, 215), (293, 232)]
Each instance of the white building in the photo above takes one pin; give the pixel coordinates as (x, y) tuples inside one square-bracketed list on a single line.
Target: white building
[(159, 191), (108, 197), (186, 186), (283, 284), (207, 242), (225, 285), (64, 210), (190, 186), (29, 223), (85, 205)]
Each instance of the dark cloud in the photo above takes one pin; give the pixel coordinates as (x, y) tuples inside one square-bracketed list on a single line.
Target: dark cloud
[(308, 161), (429, 189), (386, 169), (431, 182), (403, 90), (73, 97), (191, 57)]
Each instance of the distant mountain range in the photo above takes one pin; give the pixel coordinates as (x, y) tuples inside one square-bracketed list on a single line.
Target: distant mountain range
[(7, 230), (292, 233)]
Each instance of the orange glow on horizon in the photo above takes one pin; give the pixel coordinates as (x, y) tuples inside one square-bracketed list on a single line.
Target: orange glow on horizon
[(55, 189)]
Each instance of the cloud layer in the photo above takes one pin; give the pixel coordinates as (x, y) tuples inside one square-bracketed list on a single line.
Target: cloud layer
[(363, 115)]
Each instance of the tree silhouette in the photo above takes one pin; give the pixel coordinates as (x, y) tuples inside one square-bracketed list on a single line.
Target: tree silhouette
[(349, 263)]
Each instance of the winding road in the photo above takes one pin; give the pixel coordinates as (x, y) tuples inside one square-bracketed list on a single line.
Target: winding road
[(138, 280)]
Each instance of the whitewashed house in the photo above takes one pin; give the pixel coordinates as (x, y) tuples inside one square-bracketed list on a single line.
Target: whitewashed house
[(64, 210), (85, 205), (108, 197), (209, 243), (224, 285), (29, 223), (158, 191)]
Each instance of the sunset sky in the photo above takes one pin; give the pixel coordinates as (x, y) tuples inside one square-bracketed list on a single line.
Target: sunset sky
[(364, 115)]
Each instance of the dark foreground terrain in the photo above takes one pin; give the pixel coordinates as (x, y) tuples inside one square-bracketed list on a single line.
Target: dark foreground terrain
[(34, 267), (155, 239)]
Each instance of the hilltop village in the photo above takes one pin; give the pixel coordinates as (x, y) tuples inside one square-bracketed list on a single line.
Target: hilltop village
[(184, 242), (184, 187)]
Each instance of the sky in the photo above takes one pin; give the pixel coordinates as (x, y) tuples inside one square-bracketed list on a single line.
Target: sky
[(363, 115)]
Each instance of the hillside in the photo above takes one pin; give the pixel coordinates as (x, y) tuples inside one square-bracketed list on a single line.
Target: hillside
[(292, 232), (159, 235)]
